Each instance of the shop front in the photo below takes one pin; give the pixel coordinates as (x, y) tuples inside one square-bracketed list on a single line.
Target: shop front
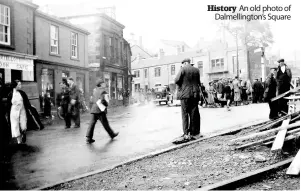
[(17, 66), (49, 77)]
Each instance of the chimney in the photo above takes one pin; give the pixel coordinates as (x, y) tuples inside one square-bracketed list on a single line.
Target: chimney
[(160, 54)]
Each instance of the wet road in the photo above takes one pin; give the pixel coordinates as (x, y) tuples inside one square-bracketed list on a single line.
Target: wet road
[(55, 154)]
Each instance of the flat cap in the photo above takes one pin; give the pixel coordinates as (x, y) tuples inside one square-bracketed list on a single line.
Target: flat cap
[(99, 82), (186, 60), (280, 60)]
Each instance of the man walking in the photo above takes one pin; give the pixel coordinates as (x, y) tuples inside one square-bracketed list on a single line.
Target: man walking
[(188, 81), (269, 93), (74, 103), (257, 91), (99, 94), (283, 79)]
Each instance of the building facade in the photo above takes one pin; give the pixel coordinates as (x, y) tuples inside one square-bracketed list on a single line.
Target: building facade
[(109, 53), (162, 70), (17, 45), (62, 51)]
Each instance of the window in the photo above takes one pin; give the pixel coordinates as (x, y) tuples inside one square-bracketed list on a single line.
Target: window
[(4, 25), (173, 70), (157, 72), (54, 34), (201, 68), (145, 73), (111, 44), (137, 73), (74, 40), (212, 63), (217, 63)]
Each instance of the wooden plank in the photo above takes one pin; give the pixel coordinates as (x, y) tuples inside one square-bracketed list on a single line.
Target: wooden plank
[(297, 124), (294, 168), (278, 143), (285, 93), (288, 138), (264, 140), (233, 183)]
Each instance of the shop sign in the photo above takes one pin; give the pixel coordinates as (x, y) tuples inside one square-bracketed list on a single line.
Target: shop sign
[(14, 63)]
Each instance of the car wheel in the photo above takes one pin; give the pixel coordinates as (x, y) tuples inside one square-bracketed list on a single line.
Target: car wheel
[(158, 96)]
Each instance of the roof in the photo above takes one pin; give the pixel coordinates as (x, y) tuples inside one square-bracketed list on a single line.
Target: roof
[(138, 50), (174, 43), (170, 59), (60, 21), (28, 3), (96, 14)]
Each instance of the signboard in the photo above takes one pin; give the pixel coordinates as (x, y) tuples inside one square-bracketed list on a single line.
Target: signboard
[(14, 63)]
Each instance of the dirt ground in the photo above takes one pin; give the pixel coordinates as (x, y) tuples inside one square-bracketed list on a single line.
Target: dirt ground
[(275, 181), (197, 165)]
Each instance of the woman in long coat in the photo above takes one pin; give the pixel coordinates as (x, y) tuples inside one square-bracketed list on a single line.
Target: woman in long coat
[(211, 93), (22, 115), (237, 91)]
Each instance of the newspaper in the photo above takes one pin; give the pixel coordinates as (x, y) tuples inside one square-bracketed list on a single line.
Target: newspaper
[(100, 105)]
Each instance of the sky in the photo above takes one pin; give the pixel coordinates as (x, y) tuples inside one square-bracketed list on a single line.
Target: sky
[(181, 20)]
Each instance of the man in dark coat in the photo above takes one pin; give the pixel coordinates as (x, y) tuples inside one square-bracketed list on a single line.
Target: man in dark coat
[(188, 81), (99, 94), (74, 103), (283, 79), (269, 93), (257, 91)]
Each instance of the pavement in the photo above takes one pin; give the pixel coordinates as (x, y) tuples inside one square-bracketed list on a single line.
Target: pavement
[(55, 153)]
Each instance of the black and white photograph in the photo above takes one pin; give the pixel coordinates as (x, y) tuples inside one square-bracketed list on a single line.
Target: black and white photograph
[(150, 95)]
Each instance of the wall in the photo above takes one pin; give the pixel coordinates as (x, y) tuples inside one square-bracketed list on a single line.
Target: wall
[(43, 44), (21, 27)]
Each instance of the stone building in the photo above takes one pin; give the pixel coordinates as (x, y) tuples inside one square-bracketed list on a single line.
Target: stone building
[(17, 45), (109, 53), (62, 50)]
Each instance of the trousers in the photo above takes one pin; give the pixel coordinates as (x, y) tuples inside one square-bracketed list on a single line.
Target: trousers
[(191, 120), (102, 117), (74, 115), (273, 109)]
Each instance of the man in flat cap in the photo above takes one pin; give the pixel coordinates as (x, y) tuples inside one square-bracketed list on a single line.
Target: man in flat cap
[(188, 81), (270, 92), (74, 103), (99, 93), (283, 79)]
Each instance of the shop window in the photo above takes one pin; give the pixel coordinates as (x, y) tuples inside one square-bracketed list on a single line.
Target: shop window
[(119, 87), (47, 82), (113, 86), (4, 25), (65, 74), (80, 82)]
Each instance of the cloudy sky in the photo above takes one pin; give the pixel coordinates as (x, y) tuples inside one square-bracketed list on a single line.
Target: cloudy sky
[(182, 20)]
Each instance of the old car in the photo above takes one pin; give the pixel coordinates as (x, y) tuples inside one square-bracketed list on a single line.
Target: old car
[(162, 94)]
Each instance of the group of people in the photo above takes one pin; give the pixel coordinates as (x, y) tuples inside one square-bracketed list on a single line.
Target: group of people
[(191, 91), (232, 91)]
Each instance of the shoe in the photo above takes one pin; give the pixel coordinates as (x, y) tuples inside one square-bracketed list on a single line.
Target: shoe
[(197, 136), (115, 135), (67, 127), (89, 141)]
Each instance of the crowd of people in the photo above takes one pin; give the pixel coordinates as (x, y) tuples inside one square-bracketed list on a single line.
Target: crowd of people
[(227, 91)]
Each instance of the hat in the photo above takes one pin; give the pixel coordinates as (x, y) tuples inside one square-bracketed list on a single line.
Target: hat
[(280, 60), (186, 60), (99, 82)]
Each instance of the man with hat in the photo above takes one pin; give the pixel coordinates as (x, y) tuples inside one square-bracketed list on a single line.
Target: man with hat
[(74, 103), (99, 93), (270, 92), (283, 79), (188, 81)]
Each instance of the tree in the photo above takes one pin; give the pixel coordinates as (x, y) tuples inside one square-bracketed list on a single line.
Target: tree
[(252, 33)]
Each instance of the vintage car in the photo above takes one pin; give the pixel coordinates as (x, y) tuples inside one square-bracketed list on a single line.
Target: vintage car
[(162, 95)]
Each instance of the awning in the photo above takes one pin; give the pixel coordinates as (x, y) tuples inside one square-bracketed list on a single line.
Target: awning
[(16, 63)]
